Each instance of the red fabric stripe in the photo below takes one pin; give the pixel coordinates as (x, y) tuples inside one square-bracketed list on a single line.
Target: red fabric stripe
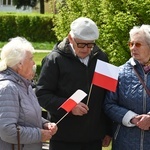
[(68, 105), (104, 81)]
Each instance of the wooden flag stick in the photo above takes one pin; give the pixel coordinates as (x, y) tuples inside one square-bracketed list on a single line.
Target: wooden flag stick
[(89, 94), (62, 118)]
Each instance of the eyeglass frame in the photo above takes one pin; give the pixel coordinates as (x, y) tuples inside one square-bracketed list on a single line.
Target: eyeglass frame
[(137, 44), (84, 44)]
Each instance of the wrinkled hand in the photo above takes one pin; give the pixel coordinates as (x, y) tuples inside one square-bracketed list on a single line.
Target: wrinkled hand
[(49, 130), (106, 141), (45, 135), (80, 109), (142, 121), (52, 127)]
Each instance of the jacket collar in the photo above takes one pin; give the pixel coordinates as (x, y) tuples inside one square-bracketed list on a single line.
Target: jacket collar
[(64, 47)]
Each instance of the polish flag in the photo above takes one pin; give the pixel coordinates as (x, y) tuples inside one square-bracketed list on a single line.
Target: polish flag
[(72, 101), (106, 75)]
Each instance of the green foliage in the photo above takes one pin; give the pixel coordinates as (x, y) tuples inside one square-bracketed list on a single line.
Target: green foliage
[(70, 10), (36, 28), (7, 27), (114, 19)]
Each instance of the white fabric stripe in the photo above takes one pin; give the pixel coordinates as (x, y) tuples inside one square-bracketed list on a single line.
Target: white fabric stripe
[(78, 96), (107, 69)]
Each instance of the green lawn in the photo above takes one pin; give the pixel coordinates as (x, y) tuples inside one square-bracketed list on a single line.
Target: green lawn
[(107, 148), (38, 57)]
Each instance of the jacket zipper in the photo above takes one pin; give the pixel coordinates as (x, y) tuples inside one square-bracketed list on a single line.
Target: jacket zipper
[(144, 111), (117, 131)]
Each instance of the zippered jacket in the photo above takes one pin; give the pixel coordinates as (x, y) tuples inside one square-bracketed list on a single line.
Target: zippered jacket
[(129, 100), (61, 75), (19, 106)]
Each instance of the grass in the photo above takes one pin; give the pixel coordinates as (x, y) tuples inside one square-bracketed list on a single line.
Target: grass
[(107, 148), (38, 57), (43, 45)]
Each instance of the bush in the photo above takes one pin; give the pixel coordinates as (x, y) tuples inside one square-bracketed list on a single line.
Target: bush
[(35, 28)]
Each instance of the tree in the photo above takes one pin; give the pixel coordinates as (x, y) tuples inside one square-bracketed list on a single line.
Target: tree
[(114, 19), (29, 3), (42, 7), (24, 3)]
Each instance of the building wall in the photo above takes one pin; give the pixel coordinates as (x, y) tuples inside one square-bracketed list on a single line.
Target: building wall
[(7, 6)]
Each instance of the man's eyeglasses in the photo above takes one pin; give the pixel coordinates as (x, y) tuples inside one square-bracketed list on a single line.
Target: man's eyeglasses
[(82, 45), (131, 44)]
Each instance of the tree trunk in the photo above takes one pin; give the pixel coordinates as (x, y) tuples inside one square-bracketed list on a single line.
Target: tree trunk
[(42, 8)]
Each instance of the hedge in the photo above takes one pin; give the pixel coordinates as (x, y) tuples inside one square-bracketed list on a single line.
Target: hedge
[(34, 27)]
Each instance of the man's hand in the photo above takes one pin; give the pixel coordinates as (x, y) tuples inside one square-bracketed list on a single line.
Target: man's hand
[(80, 109)]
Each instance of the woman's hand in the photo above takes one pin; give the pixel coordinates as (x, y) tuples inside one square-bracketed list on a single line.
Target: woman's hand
[(52, 127)]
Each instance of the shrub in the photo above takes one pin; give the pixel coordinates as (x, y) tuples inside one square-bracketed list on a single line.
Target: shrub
[(35, 28)]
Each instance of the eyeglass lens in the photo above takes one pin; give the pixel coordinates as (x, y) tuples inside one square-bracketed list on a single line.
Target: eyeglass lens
[(131, 44), (82, 45)]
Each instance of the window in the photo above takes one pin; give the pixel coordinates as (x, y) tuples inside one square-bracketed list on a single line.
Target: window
[(6, 2)]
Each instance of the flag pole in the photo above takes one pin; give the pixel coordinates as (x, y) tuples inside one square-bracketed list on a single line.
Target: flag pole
[(89, 94), (62, 118)]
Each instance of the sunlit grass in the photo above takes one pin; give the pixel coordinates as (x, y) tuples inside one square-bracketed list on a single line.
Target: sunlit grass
[(107, 148), (43, 45), (38, 57)]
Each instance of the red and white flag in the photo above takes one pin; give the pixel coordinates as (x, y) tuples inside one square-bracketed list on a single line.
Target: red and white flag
[(106, 75), (72, 101)]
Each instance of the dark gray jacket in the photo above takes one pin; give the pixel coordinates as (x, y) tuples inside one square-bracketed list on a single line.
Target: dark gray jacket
[(19, 105)]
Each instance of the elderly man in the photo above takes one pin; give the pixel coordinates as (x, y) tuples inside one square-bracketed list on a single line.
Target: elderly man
[(69, 67)]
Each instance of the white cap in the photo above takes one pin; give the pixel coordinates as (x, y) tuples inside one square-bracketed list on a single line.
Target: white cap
[(84, 28)]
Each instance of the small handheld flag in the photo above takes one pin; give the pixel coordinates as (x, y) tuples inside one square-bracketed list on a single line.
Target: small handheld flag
[(72, 101), (106, 75)]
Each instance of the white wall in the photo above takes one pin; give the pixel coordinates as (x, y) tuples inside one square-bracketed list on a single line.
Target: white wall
[(13, 9)]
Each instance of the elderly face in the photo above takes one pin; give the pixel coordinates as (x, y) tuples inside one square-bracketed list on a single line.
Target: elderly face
[(82, 47), (140, 50), (26, 67)]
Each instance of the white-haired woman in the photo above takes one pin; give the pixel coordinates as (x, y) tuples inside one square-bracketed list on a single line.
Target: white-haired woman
[(129, 106), (19, 107)]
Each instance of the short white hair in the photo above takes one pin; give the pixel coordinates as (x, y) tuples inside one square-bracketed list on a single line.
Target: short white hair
[(14, 52), (144, 29)]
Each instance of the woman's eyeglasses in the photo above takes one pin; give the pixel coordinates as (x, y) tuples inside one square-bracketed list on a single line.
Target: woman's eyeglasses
[(82, 45), (137, 44)]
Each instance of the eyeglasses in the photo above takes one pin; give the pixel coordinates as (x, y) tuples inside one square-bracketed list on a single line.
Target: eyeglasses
[(131, 44), (82, 45)]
